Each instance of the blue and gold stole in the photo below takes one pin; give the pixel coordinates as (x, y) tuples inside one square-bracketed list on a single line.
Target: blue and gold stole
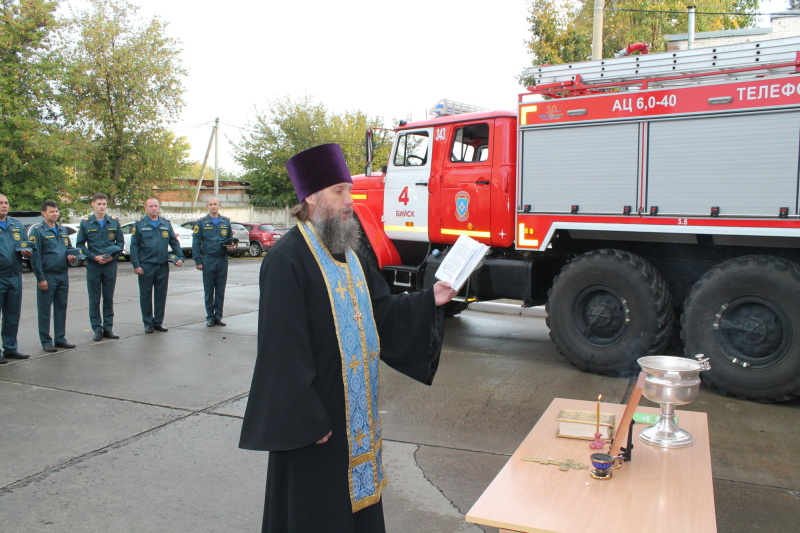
[(359, 347)]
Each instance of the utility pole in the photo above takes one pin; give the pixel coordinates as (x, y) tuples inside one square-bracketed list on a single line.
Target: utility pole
[(690, 39), (203, 168), (216, 157), (597, 30)]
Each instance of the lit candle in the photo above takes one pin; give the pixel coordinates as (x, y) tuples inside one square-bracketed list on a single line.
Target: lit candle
[(597, 424)]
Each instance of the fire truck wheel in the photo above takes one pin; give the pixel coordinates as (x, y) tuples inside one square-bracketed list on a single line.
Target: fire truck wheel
[(744, 315), (606, 309), (365, 249), (454, 308)]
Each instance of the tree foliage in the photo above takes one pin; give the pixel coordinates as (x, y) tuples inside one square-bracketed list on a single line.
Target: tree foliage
[(561, 30), (33, 158), (121, 83), (294, 125)]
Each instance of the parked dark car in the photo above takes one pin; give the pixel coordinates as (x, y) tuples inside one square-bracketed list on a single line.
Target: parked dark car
[(27, 219), (262, 237)]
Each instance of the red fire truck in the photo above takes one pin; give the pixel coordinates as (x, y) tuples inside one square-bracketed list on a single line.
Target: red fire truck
[(644, 199)]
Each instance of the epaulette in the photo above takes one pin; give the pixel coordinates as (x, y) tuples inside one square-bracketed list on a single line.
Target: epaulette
[(86, 217), (202, 219), (112, 217), (12, 218), (223, 216)]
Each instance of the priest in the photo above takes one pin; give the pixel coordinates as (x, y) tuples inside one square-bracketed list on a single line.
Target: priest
[(325, 319)]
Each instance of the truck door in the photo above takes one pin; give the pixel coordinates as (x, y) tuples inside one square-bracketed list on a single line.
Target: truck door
[(405, 200), (464, 203)]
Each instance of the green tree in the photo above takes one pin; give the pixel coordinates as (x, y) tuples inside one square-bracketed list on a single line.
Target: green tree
[(561, 31), (121, 83), (292, 126), (34, 158), (558, 33)]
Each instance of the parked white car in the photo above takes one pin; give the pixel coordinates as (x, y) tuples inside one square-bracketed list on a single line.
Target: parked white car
[(72, 229), (184, 237), (239, 231)]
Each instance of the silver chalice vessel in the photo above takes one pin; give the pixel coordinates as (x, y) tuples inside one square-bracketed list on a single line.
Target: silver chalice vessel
[(670, 381)]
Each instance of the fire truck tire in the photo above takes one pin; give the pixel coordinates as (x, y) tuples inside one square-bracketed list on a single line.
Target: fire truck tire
[(744, 315), (606, 309), (454, 308), (365, 249)]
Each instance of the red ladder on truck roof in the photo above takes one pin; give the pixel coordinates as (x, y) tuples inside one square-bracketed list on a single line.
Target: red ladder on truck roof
[(682, 67)]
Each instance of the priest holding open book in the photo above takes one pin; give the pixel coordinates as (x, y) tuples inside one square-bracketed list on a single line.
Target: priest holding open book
[(325, 318)]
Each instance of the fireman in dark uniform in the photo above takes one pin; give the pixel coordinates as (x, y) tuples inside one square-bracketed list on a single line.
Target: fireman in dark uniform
[(101, 236), (210, 256), (12, 233), (50, 262), (151, 238)]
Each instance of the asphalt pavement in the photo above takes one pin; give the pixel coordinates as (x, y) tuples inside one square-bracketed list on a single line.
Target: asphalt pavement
[(140, 434)]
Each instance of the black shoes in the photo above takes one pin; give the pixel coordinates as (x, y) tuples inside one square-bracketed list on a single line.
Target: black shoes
[(210, 322), (98, 335), (219, 322), (148, 329), (16, 354), (160, 328), (49, 348), (3, 360), (108, 334)]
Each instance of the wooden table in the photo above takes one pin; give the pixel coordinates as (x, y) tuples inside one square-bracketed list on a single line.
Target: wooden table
[(660, 490)]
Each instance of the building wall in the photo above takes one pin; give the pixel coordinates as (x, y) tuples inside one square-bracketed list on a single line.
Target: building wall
[(783, 25), (232, 197)]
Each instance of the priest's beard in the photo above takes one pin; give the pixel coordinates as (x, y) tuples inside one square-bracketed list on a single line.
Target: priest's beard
[(337, 235)]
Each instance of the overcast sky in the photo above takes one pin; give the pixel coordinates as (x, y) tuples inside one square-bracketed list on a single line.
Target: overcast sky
[(394, 60)]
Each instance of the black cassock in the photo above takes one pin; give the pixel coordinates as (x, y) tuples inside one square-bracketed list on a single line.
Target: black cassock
[(297, 393)]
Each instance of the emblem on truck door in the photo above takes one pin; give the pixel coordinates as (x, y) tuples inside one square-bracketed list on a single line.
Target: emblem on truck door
[(462, 206)]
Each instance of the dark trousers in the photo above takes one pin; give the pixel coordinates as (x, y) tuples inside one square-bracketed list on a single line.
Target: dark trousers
[(154, 280), (101, 281), (10, 308), (215, 277), (55, 299)]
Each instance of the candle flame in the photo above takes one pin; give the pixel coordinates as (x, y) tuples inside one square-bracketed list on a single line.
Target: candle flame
[(599, 397)]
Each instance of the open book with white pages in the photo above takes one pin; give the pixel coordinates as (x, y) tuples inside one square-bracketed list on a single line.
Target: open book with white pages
[(463, 258)]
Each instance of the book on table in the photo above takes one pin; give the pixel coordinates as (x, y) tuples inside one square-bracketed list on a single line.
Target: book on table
[(579, 424)]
